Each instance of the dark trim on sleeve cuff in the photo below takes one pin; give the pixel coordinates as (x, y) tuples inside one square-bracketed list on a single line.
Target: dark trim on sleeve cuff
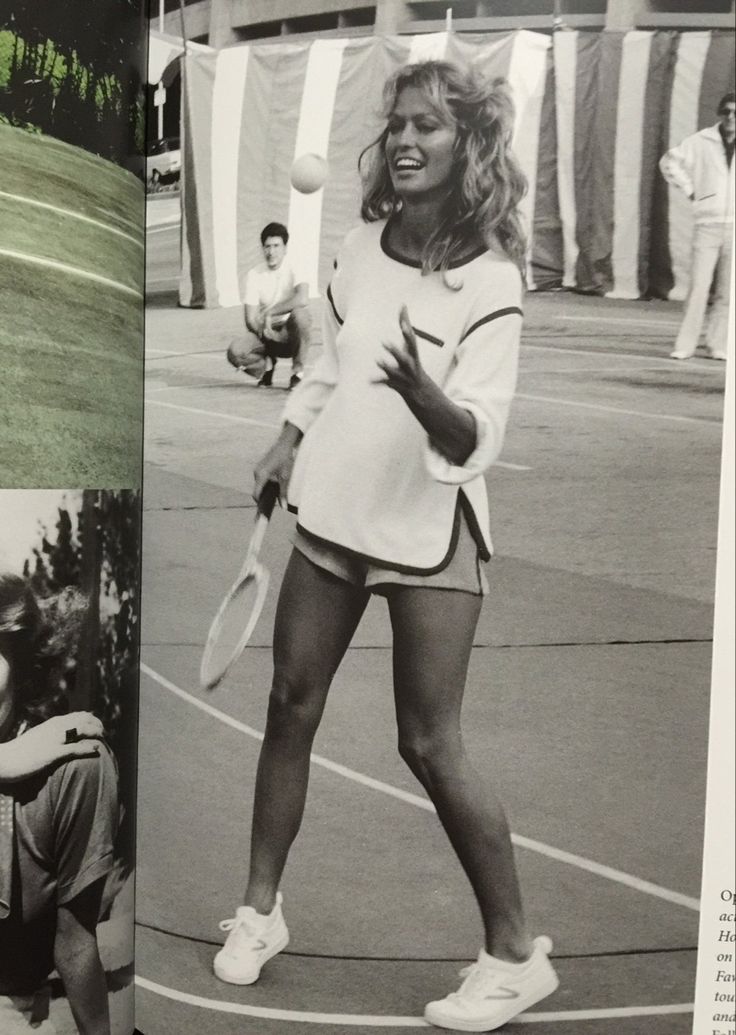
[(331, 300), (508, 311), (95, 870)]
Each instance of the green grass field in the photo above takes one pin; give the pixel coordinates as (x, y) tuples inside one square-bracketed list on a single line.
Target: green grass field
[(71, 345)]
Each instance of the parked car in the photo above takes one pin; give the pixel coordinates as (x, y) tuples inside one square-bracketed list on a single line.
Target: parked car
[(163, 162)]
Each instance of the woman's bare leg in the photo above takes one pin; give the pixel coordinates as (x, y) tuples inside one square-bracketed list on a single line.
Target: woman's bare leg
[(433, 637), (316, 617)]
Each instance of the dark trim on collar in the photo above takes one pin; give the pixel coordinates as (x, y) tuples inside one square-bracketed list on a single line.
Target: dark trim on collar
[(414, 263)]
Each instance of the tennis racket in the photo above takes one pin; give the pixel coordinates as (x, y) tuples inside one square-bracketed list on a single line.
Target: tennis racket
[(238, 613)]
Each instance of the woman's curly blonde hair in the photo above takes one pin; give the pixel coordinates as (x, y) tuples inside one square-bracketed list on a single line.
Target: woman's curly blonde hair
[(484, 193)]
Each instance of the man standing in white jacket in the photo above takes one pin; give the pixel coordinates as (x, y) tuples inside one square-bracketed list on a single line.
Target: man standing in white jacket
[(702, 166)]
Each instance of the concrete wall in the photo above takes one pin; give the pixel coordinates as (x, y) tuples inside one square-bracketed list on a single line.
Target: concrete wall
[(223, 21)]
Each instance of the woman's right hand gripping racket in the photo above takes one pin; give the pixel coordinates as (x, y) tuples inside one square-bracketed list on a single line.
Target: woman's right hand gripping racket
[(238, 613)]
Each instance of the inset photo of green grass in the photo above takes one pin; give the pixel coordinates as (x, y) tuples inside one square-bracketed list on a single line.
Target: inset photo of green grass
[(71, 316)]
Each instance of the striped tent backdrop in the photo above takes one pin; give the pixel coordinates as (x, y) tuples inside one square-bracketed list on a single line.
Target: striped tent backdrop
[(594, 113)]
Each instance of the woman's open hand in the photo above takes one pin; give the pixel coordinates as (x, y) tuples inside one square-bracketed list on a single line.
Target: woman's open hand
[(406, 374), (75, 735)]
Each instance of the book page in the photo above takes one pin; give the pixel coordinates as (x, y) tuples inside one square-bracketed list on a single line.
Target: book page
[(72, 122)]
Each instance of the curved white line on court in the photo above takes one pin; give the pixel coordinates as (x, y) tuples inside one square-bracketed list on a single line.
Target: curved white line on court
[(71, 214), (385, 1021), (558, 854), (75, 271)]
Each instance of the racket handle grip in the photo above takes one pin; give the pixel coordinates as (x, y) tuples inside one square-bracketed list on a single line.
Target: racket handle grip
[(267, 499)]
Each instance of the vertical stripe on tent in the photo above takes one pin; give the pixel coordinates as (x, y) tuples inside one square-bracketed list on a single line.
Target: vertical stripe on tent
[(227, 118), (490, 54), (431, 46), (357, 120), (565, 59), (547, 252), (628, 164), (256, 139), (198, 86), (312, 136), (691, 56), (604, 151), (188, 200), (527, 76), (285, 99), (589, 48), (718, 77), (655, 264)]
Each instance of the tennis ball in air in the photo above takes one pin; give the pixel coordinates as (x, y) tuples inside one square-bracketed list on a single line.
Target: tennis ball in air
[(308, 173)]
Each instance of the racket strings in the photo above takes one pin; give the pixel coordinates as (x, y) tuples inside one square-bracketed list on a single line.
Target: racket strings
[(233, 625)]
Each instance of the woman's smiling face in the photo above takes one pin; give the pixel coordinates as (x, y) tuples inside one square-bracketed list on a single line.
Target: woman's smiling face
[(419, 146)]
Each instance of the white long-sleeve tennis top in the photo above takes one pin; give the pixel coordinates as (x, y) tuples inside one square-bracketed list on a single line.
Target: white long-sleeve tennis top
[(366, 477), (699, 167)]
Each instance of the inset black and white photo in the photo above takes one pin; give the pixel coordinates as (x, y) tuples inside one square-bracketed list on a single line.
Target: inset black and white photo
[(68, 715)]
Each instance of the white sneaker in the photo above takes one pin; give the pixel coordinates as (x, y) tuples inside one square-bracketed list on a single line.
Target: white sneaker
[(494, 991), (716, 354), (252, 940), (681, 354)]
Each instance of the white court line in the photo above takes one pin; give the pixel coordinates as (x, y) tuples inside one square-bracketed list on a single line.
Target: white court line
[(663, 324), (261, 423), (604, 354), (624, 357), (160, 229), (618, 876), (619, 410), (188, 388), (72, 215), (214, 413), (623, 370), (176, 355), (121, 219), (76, 271), (386, 1021)]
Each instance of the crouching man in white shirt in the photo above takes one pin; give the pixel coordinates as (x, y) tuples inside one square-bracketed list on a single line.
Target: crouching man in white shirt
[(702, 167), (276, 313)]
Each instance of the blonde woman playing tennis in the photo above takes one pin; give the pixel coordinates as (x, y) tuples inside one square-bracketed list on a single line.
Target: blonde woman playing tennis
[(382, 455)]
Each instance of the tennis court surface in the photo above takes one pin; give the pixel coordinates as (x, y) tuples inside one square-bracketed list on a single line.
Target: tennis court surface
[(587, 700)]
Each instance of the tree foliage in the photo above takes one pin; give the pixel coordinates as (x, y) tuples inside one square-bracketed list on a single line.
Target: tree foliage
[(75, 71), (97, 550)]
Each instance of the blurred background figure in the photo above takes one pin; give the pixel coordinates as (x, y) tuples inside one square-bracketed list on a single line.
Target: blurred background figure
[(702, 167)]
